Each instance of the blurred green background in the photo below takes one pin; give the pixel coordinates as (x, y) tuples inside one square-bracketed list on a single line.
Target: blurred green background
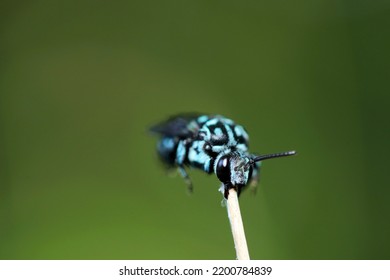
[(81, 81)]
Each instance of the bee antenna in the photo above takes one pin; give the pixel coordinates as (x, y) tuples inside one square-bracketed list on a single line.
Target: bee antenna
[(264, 157)]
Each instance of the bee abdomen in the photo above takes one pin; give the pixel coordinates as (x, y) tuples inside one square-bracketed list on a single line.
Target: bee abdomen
[(166, 149)]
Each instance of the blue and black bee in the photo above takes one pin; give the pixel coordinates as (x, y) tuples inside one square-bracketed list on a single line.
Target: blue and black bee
[(212, 143)]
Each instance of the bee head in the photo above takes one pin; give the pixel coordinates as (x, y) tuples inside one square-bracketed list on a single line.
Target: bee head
[(234, 170)]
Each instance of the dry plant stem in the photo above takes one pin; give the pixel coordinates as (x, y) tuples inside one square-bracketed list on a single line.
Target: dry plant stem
[(237, 226)]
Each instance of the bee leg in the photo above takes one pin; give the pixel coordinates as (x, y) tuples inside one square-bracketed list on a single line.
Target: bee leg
[(186, 178), (255, 179), (253, 185)]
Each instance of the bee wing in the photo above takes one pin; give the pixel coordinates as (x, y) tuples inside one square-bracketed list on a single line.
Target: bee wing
[(176, 126)]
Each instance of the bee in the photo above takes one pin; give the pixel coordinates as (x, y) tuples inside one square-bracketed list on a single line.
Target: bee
[(212, 143)]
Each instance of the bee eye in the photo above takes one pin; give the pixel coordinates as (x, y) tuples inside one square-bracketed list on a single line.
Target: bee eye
[(223, 169)]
